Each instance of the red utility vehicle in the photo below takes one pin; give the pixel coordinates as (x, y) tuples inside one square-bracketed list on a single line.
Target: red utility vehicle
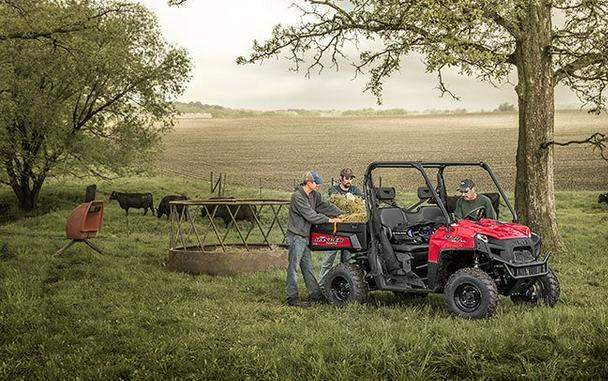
[(423, 248)]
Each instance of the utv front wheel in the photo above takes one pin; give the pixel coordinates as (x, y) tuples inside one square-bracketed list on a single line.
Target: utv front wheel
[(545, 290), (471, 293), (344, 284)]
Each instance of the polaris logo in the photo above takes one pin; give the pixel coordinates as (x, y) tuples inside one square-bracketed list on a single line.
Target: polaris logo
[(328, 240), (454, 238)]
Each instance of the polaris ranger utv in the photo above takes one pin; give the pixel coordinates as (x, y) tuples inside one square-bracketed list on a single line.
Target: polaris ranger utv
[(423, 248)]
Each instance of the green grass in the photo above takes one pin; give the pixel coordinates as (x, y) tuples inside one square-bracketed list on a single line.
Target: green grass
[(124, 316)]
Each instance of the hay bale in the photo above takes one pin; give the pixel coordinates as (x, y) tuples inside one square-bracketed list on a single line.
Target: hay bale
[(353, 207)]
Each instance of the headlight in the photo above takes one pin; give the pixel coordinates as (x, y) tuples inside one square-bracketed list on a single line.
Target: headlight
[(482, 237)]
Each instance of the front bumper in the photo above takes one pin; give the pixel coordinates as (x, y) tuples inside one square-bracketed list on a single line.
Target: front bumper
[(520, 257), (526, 270)]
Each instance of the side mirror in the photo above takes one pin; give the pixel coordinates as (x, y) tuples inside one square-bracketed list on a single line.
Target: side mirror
[(424, 193)]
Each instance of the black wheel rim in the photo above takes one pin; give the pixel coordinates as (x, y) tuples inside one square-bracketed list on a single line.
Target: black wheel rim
[(467, 297), (535, 293), (340, 289)]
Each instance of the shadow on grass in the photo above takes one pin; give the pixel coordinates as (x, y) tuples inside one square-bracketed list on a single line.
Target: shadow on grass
[(50, 201)]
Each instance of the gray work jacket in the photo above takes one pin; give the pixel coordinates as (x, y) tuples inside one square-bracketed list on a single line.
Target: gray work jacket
[(305, 210)]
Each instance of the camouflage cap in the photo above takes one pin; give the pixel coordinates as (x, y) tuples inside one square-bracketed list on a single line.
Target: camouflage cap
[(347, 172)]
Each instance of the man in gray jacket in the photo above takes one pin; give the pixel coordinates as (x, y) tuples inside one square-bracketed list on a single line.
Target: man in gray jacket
[(306, 208)]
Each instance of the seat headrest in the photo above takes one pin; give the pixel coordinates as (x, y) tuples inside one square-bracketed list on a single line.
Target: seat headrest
[(424, 193), (385, 193)]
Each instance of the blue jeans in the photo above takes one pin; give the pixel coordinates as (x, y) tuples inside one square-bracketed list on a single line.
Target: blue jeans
[(328, 262), (299, 254)]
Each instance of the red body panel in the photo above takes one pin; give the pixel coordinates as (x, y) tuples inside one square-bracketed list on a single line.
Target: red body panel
[(332, 240), (462, 234)]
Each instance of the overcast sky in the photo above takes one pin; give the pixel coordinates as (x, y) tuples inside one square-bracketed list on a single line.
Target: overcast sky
[(216, 32)]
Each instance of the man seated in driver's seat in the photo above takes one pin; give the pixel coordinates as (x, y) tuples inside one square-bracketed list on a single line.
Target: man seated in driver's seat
[(472, 204)]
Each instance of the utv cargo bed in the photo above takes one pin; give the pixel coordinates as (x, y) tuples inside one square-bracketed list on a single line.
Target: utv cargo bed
[(342, 236)]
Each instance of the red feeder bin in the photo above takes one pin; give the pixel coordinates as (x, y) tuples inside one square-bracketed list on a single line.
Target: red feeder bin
[(84, 223)]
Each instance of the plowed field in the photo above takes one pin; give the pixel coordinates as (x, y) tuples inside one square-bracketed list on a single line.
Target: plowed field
[(276, 151)]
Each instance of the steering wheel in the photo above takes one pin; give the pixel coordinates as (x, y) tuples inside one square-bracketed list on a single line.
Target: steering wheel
[(476, 214)]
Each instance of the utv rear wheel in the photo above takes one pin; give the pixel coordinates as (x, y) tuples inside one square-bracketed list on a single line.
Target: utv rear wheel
[(344, 284), (545, 289), (471, 293)]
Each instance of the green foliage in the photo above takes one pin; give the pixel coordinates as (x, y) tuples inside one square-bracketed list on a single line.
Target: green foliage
[(93, 100), (125, 316), (448, 34)]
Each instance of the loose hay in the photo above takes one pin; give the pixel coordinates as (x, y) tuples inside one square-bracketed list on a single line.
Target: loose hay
[(353, 207)]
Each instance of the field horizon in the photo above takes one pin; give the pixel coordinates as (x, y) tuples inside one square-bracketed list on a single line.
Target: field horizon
[(275, 152)]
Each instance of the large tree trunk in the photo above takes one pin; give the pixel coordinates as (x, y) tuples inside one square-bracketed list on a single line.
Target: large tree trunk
[(27, 198), (534, 189), (25, 185)]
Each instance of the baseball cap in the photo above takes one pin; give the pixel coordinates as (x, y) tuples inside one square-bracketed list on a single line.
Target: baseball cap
[(312, 176), (465, 185), (347, 172)]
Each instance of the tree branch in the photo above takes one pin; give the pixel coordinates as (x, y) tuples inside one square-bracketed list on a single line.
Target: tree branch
[(442, 86), (63, 29), (581, 62), (597, 140)]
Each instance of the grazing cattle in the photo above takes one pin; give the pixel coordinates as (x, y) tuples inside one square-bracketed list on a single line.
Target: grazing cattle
[(134, 200), (244, 212), (90, 193), (494, 198), (602, 198), (165, 208)]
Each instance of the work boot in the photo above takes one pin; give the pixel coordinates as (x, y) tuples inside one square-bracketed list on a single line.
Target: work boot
[(296, 303)]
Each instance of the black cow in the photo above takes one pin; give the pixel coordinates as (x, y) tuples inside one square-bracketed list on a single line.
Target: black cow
[(134, 200), (494, 198), (90, 193), (602, 198), (244, 213), (165, 208)]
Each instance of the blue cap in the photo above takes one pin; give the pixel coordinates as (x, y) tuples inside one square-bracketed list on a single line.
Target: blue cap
[(318, 179), (312, 176)]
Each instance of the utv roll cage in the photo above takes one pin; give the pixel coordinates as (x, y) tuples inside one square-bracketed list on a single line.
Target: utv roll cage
[(439, 192)]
